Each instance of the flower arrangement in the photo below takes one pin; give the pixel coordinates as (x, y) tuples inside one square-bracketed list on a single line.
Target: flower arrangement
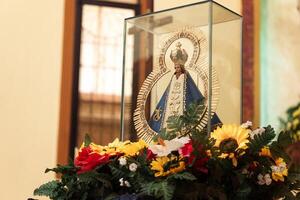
[(292, 122), (183, 162), (292, 126)]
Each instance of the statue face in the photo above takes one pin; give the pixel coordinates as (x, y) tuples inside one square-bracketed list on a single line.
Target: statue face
[(178, 68)]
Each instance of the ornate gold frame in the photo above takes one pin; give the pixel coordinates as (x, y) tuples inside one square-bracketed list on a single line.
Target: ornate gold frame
[(198, 63)]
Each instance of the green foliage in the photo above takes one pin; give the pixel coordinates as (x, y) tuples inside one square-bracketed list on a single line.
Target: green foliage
[(185, 124), (75, 186), (278, 147), (164, 134), (117, 173), (291, 122), (63, 169), (51, 189), (261, 140), (284, 139), (159, 190), (183, 176), (87, 140)]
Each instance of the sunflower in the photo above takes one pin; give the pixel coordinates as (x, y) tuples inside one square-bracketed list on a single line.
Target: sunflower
[(231, 137), (164, 166)]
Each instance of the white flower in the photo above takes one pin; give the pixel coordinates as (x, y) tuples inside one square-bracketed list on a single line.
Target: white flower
[(182, 140), (268, 179), (121, 180), (261, 180), (168, 146), (124, 183), (133, 167), (278, 169), (275, 169), (257, 132), (247, 124), (127, 184), (264, 179), (245, 171), (122, 161)]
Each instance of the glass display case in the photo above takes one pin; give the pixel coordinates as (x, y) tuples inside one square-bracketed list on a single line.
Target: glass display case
[(176, 57)]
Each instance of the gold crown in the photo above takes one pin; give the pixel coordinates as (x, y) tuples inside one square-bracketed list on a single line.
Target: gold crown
[(178, 55)]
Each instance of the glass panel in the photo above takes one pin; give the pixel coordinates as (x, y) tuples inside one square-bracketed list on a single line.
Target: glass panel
[(226, 60), (100, 80), (182, 37), (182, 17)]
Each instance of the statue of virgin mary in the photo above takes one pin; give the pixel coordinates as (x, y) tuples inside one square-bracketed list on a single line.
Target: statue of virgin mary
[(180, 93)]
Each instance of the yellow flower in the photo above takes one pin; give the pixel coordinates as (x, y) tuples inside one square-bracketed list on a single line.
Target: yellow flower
[(295, 123), (296, 113), (223, 155), (117, 143), (208, 153), (93, 146), (230, 156), (265, 151), (231, 137), (289, 126), (179, 168), (159, 163), (131, 149), (279, 170)]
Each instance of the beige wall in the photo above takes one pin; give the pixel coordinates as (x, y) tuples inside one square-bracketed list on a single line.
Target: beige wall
[(280, 63), (30, 68), (235, 5)]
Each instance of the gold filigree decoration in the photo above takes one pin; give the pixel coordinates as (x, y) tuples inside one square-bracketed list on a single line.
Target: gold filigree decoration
[(198, 63)]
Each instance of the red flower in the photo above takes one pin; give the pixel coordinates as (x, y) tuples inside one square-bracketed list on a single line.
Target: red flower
[(199, 164), (150, 155), (187, 149), (87, 160), (197, 161), (253, 166)]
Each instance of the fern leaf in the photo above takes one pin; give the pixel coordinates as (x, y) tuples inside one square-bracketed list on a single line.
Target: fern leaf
[(167, 190), (159, 190), (284, 139), (117, 173), (261, 140), (183, 176), (47, 189)]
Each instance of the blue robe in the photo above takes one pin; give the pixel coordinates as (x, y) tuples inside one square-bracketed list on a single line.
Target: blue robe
[(191, 95)]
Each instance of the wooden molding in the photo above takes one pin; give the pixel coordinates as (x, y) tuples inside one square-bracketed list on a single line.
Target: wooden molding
[(248, 60), (66, 83), (256, 118)]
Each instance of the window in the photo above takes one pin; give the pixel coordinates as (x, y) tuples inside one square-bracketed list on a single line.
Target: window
[(98, 108)]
